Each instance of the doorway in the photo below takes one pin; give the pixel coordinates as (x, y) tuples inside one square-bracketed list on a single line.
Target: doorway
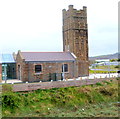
[(19, 72)]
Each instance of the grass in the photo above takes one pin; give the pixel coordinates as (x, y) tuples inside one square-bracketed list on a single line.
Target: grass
[(86, 101), (112, 67), (101, 72), (95, 110), (6, 88)]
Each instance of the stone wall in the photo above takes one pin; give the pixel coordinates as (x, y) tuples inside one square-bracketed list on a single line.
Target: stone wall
[(55, 84), (21, 68), (75, 36), (49, 67)]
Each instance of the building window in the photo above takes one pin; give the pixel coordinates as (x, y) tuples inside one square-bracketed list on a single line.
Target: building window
[(65, 68), (38, 68)]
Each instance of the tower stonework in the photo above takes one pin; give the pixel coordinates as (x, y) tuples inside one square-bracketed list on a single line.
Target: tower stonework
[(75, 37)]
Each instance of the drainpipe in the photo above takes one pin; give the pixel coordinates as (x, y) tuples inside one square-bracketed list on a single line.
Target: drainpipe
[(63, 72), (28, 72), (73, 69)]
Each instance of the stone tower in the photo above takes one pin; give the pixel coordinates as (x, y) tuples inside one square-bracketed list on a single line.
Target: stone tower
[(75, 36)]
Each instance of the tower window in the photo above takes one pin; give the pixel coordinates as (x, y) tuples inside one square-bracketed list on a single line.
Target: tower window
[(65, 68), (38, 68)]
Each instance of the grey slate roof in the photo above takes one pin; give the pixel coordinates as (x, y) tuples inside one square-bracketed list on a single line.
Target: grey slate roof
[(47, 56)]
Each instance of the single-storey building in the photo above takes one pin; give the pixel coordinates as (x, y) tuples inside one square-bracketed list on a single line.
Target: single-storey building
[(45, 66)]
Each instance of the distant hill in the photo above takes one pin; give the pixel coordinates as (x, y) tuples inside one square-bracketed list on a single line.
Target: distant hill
[(109, 56)]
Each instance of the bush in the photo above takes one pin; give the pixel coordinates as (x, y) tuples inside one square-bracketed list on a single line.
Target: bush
[(10, 100), (118, 66), (118, 78), (107, 82), (99, 84), (104, 91)]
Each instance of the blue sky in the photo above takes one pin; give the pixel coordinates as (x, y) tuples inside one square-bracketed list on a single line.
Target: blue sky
[(36, 25)]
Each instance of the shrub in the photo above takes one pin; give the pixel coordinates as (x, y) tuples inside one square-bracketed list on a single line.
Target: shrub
[(118, 78), (107, 82), (106, 92), (99, 84), (118, 66), (10, 100)]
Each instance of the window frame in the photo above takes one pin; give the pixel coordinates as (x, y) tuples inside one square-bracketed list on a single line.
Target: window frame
[(38, 71), (65, 71)]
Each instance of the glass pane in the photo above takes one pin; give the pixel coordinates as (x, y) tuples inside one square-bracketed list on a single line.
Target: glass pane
[(38, 68)]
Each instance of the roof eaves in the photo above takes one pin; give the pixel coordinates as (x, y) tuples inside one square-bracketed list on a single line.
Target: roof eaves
[(53, 61)]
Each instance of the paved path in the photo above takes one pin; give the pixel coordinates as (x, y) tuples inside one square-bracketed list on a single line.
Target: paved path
[(12, 81)]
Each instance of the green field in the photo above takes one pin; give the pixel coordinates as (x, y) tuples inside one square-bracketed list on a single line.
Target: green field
[(101, 72), (105, 67), (98, 100)]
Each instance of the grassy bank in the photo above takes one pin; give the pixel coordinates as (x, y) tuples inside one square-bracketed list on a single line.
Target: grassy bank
[(86, 101)]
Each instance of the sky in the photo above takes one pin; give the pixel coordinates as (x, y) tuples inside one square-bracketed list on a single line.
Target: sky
[(36, 25)]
